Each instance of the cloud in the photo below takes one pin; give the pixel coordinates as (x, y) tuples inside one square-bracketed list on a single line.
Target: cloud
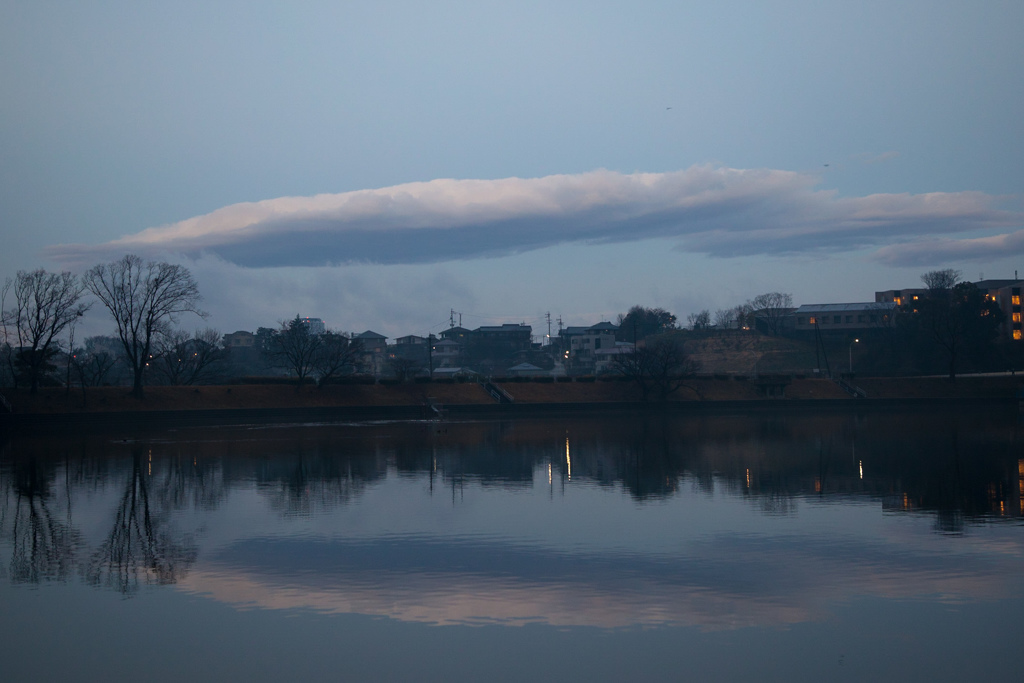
[(938, 251), (724, 581), (711, 210)]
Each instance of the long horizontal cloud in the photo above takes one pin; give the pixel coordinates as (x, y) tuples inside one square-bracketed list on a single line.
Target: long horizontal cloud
[(720, 582), (930, 251), (711, 210)]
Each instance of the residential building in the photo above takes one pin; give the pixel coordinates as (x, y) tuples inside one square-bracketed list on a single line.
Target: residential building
[(373, 352), (456, 334), (850, 317), (1006, 294), (583, 346), (411, 347), (314, 325), (239, 340), (901, 297), (447, 354), (498, 342), (604, 358), (567, 334), (526, 370)]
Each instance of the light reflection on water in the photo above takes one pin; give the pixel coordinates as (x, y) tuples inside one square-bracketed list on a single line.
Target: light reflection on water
[(714, 524)]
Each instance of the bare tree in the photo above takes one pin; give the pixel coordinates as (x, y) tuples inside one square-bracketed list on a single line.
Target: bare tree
[(744, 315), (184, 358), (44, 305), (145, 299), (661, 367), (699, 321), (293, 347), (724, 318), (770, 309), (91, 368), (403, 369), (336, 356), (941, 280), (958, 319)]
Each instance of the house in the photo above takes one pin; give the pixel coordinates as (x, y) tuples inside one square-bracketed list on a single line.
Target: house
[(583, 346), (239, 340), (605, 358), (410, 348), (447, 353), (373, 352), (499, 342), (464, 373), (567, 334), (526, 370), (849, 317), (456, 334)]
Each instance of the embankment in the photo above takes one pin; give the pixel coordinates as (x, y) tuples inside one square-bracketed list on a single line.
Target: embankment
[(113, 408)]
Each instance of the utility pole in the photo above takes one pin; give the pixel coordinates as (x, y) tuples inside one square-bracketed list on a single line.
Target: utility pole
[(548, 316), (430, 352)]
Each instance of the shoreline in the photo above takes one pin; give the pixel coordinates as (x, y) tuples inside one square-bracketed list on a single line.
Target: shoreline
[(165, 420)]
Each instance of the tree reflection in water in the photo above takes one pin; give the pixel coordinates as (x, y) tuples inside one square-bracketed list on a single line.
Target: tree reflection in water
[(955, 467), (140, 545), (43, 546)]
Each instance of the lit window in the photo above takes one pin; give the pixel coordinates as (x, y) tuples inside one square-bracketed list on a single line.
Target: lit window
[(1016, 317), (915, 297), (1016, 334), (813, 321), (1016, 300)]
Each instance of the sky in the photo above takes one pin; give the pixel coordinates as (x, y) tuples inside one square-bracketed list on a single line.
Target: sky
[(380, 164)]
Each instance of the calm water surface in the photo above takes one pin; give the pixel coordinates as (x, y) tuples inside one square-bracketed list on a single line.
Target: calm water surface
[(836, 547)]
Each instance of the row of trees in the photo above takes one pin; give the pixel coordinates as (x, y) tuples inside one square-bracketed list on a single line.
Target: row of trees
[(765, 311), (38, 310), (326, 355), (145, 299)]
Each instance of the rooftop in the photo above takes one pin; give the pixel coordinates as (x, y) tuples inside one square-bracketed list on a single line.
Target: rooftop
[(860, 306), (507, 327), (995, 284)]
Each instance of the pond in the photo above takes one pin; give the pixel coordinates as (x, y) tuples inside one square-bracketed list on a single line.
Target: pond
[(838, 546)]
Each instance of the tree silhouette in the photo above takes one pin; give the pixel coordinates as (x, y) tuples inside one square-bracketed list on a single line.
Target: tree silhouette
[(140, 547), (43, 306), (144, 300)]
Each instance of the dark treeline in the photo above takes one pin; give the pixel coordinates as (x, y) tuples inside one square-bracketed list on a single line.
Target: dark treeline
[(952, 327)]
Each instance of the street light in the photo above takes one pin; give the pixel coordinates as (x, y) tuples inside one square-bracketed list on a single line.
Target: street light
[(851, 354)]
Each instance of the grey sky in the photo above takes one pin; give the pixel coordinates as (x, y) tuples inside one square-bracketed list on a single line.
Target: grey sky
[(119, 117)]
